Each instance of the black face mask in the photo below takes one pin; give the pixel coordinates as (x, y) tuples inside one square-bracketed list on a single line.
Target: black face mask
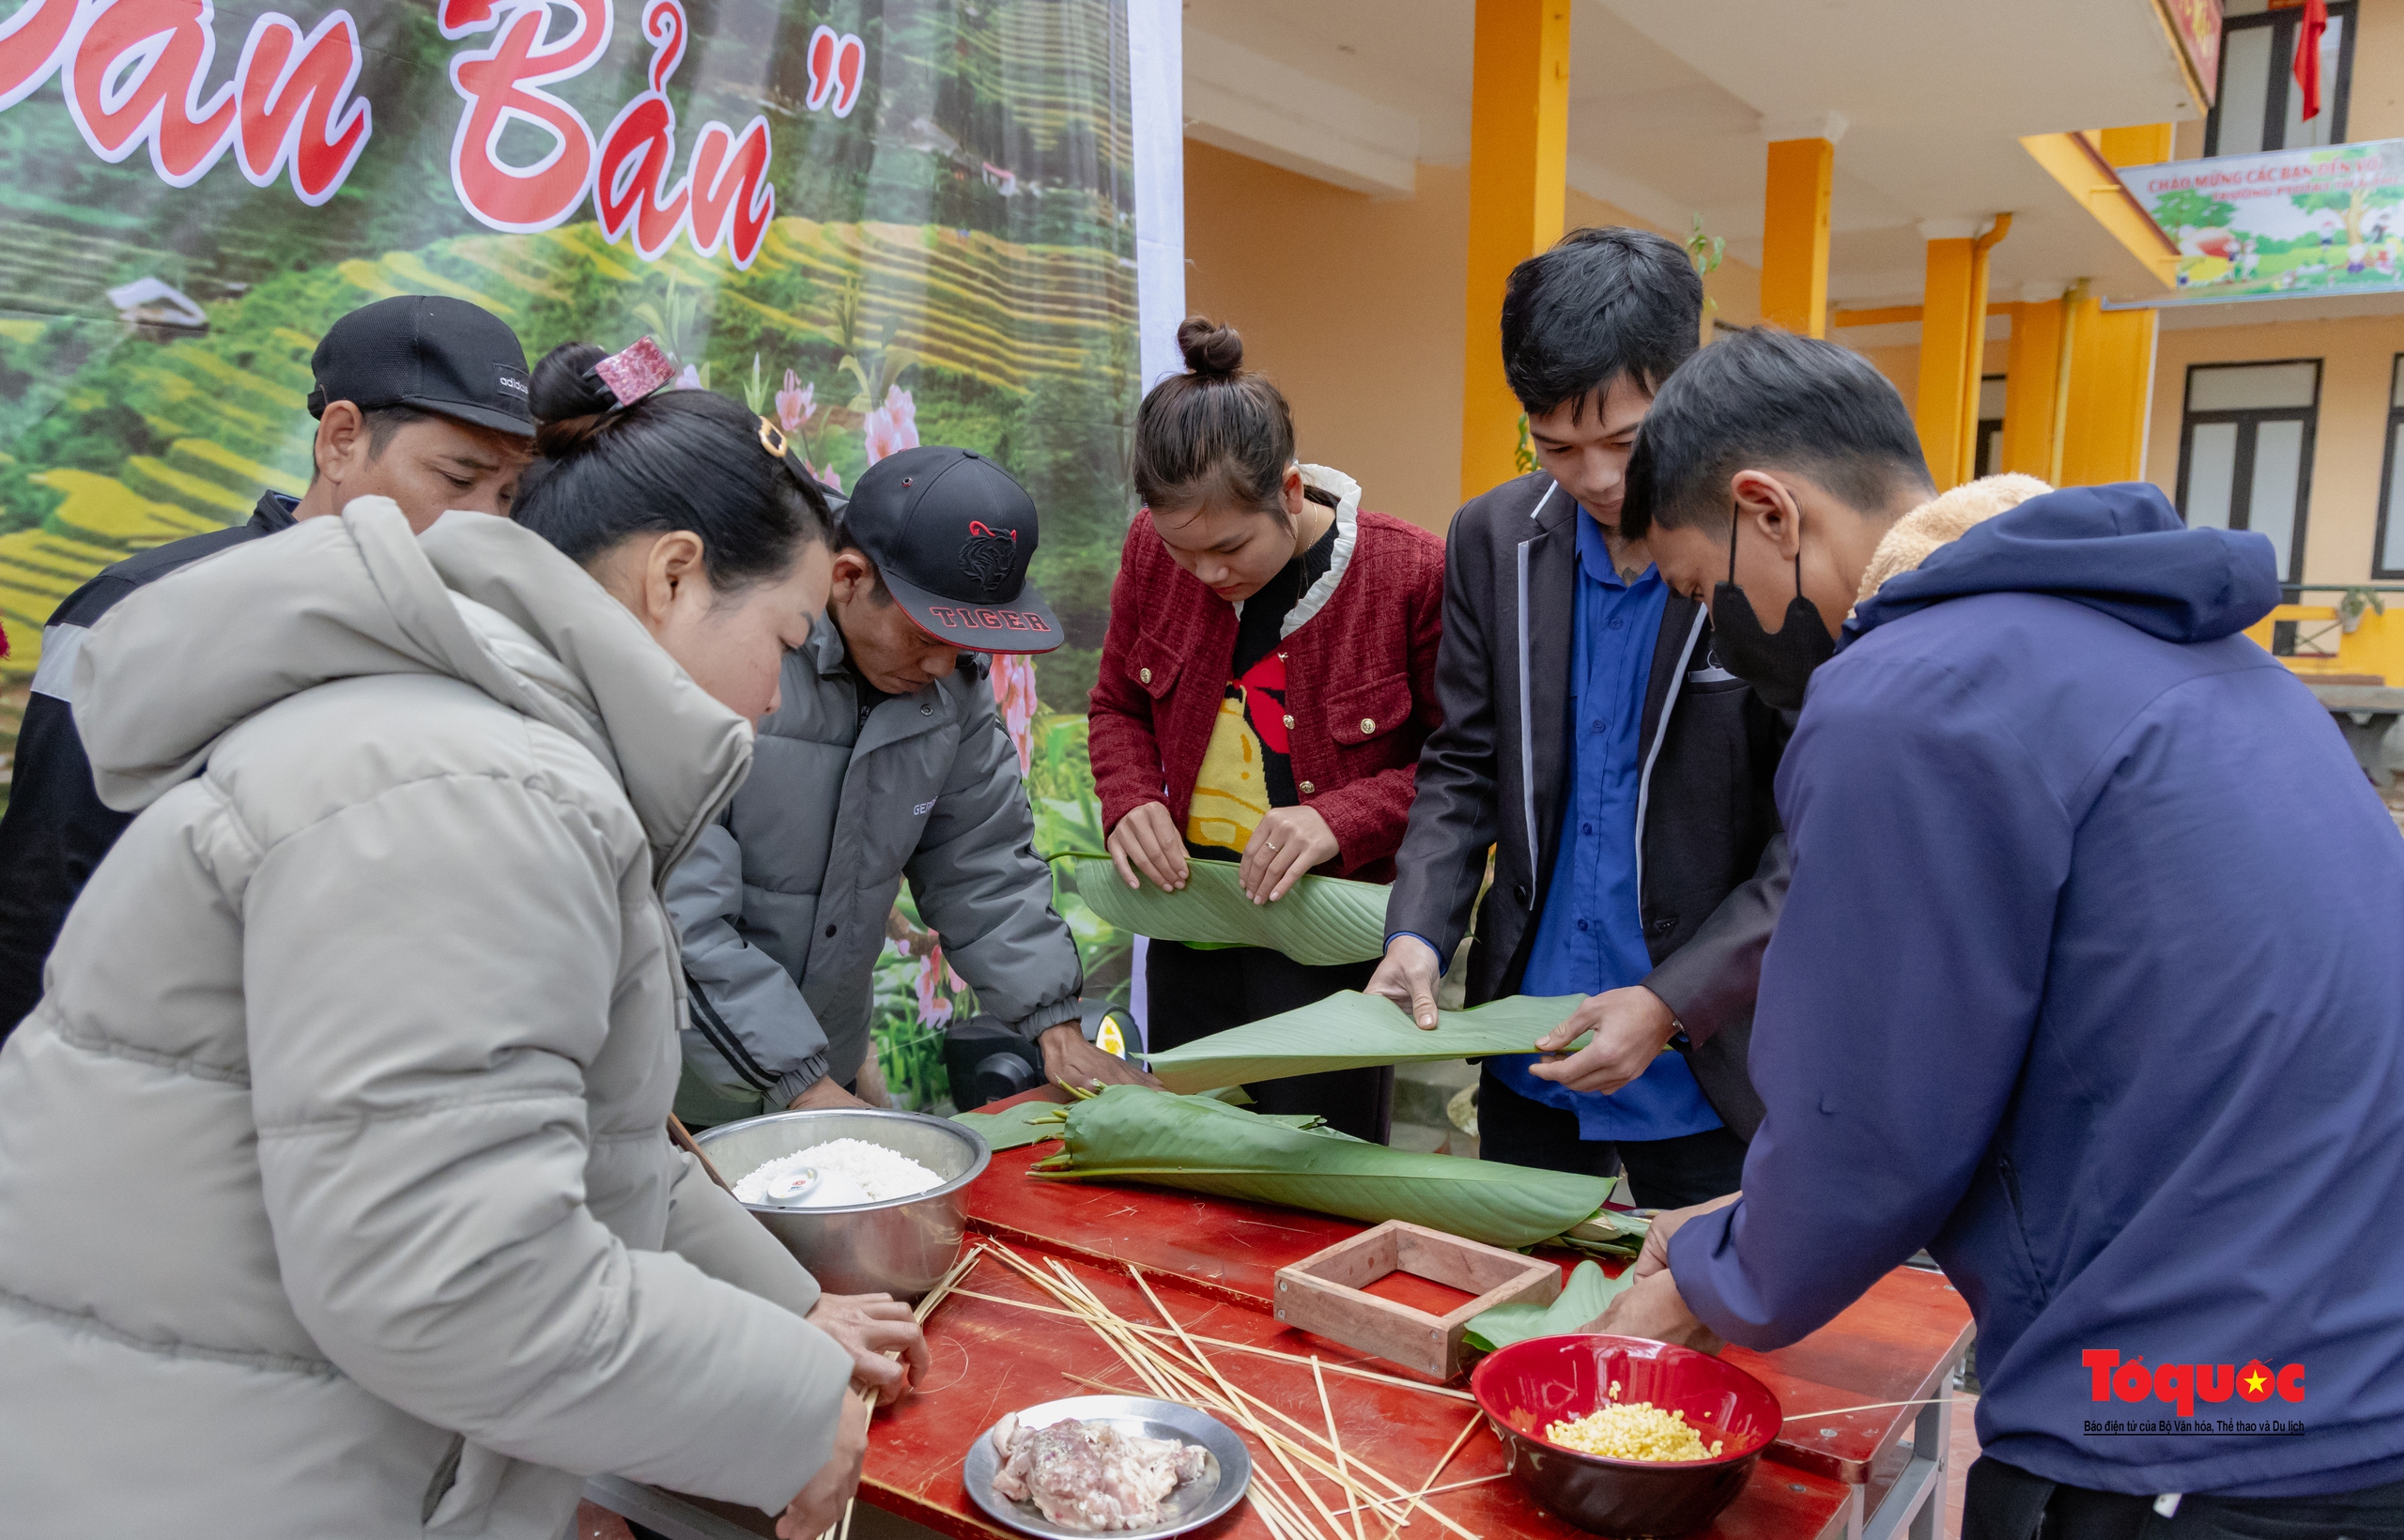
[(1776, 664)]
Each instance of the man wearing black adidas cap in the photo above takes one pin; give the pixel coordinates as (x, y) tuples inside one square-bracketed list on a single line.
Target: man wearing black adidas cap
[(884, 759), (419, 398)]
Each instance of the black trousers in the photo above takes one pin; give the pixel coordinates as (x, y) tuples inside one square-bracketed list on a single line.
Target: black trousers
[(1191, 992), (2004, 1502), (1662, 1172)]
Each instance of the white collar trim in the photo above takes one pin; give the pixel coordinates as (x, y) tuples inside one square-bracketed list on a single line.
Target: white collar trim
[(1348, 536)]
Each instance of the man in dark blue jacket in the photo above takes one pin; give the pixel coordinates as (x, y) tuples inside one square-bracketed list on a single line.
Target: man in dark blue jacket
[(2090, 977)]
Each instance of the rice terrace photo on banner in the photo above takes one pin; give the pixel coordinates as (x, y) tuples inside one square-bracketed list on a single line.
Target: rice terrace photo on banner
[(880, 224)]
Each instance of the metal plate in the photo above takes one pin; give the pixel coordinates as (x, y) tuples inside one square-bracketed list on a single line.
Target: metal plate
[(1225, 1472)]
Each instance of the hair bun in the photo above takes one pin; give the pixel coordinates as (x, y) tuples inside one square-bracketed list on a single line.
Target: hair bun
[(568, 400), (1211, 350)]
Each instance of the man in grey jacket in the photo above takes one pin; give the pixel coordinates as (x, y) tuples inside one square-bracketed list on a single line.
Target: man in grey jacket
[(884, 759)]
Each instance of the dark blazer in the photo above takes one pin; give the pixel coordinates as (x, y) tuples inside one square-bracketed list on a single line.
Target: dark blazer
[(1711, 862)]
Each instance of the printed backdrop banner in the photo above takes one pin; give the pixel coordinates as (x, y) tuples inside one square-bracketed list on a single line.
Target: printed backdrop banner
[(880, 221), (2285, 225)]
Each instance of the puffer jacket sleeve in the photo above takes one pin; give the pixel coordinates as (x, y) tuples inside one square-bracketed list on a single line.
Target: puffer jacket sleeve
[(750, 1023), (429, 975), (982, 889), (717, 1235)]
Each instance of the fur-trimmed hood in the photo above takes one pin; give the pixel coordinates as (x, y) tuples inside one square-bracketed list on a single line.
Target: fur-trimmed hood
[(2121, 550)]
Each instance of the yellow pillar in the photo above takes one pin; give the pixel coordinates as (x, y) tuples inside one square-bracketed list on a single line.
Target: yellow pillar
[(1518, 177), (1944, 364), (1974, 350), (2111, 394), (1795, 236), (2029, 376), (2146, 145)]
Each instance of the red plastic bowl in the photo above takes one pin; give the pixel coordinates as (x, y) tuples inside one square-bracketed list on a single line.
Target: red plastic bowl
[(1527, 1387)]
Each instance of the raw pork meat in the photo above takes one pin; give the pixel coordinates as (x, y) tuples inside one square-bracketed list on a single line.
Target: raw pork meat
[(1090, 1476)]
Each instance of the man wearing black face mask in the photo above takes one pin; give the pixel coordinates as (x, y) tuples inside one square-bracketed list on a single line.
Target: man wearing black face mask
[(1620, 775), (2057, 989)]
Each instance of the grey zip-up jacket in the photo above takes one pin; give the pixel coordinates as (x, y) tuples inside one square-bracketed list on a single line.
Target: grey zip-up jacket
[(783, 902), (336, 1196), (1711, 863)]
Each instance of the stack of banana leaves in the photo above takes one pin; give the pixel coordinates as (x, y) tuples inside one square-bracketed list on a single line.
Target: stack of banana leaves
[(1201, 1144)]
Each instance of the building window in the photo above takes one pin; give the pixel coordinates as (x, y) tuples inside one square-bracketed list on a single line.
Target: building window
[(2259, 106), (1991, 393), (2245, 452), (2388, 560)]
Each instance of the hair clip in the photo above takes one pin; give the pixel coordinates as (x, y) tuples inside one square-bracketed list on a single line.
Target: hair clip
[(772, 437), (636, 372)]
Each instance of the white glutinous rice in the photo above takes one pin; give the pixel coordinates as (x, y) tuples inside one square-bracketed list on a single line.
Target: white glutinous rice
[(849, 1171)]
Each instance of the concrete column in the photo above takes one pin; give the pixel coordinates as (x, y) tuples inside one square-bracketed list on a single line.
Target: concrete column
[(1518, 180), (1944, 344), (1794, 222)]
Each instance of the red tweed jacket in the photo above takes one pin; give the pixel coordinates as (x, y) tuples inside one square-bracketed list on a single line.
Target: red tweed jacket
[(1361, 677)]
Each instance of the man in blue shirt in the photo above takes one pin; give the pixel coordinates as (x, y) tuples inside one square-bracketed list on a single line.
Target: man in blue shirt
[(1621, 779)]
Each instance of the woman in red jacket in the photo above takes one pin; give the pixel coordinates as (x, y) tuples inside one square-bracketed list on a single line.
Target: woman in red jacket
[(1267, 679)]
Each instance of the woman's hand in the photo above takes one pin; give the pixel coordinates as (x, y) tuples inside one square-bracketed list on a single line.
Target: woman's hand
[(1146, 841), (819, 1506), (1282, 849), (868, 1327)]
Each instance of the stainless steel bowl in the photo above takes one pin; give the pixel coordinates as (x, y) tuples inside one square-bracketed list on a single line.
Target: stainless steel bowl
[(902, 1247)]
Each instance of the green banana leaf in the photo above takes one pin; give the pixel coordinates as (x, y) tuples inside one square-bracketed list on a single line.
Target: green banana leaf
[(1351, 1031), (1581, 1300), (1134, 1133), (1028, 1123), (1321, 920), (1032, 1122)]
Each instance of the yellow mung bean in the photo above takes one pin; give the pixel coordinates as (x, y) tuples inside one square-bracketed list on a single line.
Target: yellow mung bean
[(1633, 1430)]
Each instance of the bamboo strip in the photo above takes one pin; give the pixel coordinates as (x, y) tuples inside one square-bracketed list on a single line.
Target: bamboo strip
[(1474, 1418), (1336, 1439), (1874, 1406), (1309, 1491), (1453, 1486), (959, 1269), (1444, 1390), (1200, 1396), (1150, 1364)]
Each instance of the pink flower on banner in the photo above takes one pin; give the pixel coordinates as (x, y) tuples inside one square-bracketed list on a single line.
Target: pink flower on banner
[(795, 404), (1014, 698), (893, 427), (829, 477), (690, 379), (934, 998)]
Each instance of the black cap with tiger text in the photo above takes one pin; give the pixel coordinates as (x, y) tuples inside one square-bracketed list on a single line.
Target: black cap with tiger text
[(951, 534)]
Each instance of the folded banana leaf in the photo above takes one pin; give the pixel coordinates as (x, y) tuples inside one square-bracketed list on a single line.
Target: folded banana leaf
[(1028, 1123), (1134, 1133), (1321, 920), (1581, 1300), (1351, 1031)]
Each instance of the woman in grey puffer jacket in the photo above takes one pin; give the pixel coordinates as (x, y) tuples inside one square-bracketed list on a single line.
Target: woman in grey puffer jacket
[(335, 1194)]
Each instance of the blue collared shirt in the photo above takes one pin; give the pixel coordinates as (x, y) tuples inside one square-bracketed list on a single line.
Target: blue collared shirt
[(1591, 936)]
